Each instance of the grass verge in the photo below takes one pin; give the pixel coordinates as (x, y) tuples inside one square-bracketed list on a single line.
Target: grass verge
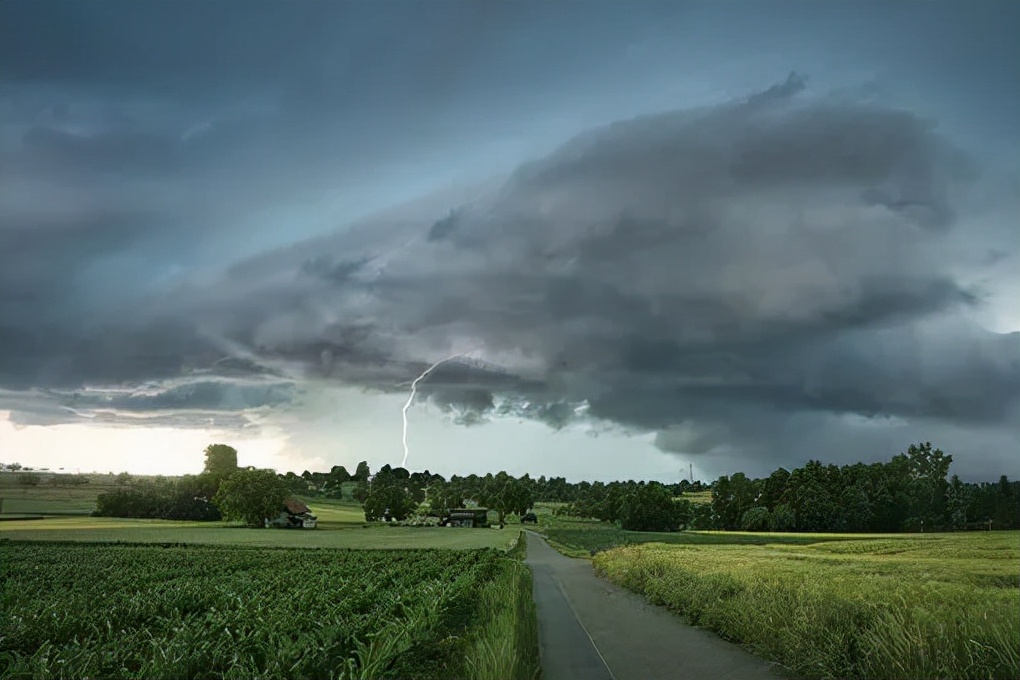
[(506, 647)]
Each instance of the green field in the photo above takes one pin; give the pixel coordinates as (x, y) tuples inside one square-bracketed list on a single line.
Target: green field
[(143, 611), (577, 537), (334, 513), (109, 529), (828, 606), (45, 499), (341, 525)]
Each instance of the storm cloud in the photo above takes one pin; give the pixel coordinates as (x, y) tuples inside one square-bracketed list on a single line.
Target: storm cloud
[(733, 277)]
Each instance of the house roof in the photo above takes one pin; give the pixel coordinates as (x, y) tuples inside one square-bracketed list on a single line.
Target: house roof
[(294, 506)]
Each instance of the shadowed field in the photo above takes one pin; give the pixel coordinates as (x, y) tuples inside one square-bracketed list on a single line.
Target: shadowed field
[(107, 530)]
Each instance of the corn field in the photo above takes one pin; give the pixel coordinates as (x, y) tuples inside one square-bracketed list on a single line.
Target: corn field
[(144, 611)]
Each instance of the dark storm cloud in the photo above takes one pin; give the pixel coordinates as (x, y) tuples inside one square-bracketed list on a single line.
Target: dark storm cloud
[(691, 265), (664, 268)]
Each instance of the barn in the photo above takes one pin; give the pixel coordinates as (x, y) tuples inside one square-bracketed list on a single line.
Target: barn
[(293, 515)]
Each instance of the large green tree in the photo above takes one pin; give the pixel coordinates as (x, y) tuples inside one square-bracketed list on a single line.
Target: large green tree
[(650, 507), (250, 495), (220, 459), (509, 496), (388, 494)]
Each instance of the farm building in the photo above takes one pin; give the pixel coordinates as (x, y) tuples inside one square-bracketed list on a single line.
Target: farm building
[(293, 515), (467, 517)]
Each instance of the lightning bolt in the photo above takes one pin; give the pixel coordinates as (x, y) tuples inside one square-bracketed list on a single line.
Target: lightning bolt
[(414, 391)]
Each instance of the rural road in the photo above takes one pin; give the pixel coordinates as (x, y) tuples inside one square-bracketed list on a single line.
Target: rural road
[(590, 629)]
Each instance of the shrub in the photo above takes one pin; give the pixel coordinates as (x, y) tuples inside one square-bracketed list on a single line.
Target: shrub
[(755, 519)]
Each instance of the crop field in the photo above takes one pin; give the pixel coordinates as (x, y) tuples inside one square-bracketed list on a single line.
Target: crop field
[(115, 530), (892, 607), (146, 611)]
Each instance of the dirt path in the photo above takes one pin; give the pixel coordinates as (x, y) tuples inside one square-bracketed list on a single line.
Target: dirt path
[(589, 629)]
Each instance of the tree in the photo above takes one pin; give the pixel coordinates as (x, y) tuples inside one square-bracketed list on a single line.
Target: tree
[(755, 519), (388, 497), (338, 475), (251, 495), (650, 507), (957, 500), (442, 495), (928, 470), (782, 518), (187, 498), (362, 472), (361, 491), (731, 498), (220, 459), (511, 496), (773, 488), (388, 491)]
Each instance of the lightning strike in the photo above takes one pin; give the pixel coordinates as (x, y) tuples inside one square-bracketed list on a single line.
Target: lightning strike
[(410, 399)]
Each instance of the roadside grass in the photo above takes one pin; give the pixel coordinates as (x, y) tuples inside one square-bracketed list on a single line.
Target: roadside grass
[(895, 606), (375, 536), (506, 648)]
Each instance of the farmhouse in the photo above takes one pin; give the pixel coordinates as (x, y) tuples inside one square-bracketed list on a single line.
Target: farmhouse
[(293, 515)]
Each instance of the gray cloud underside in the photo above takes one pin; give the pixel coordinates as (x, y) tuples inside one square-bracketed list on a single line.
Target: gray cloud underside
[(697, 273)]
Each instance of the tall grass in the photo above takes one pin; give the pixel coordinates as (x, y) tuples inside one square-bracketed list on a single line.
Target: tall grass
[(947, 607), (506, 647)]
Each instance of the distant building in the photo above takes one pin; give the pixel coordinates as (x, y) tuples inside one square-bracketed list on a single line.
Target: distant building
[(467, 517), (293, 515)]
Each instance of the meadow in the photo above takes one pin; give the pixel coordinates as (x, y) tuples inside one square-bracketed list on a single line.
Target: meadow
[(173, 611), (836, 606)]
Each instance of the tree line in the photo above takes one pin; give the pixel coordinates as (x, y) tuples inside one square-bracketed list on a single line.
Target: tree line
[(910, 492)]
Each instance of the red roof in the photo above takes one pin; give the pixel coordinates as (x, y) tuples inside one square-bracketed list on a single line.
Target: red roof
[(294, 506)]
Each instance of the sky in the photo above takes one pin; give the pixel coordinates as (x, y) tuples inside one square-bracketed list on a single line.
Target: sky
[(642, 239)]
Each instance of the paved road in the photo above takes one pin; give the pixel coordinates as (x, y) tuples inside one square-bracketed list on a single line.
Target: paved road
[(589, 629)]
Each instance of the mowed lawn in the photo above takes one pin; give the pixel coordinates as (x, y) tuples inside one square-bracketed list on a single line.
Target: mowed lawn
[(890, 606), (105, 530)]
